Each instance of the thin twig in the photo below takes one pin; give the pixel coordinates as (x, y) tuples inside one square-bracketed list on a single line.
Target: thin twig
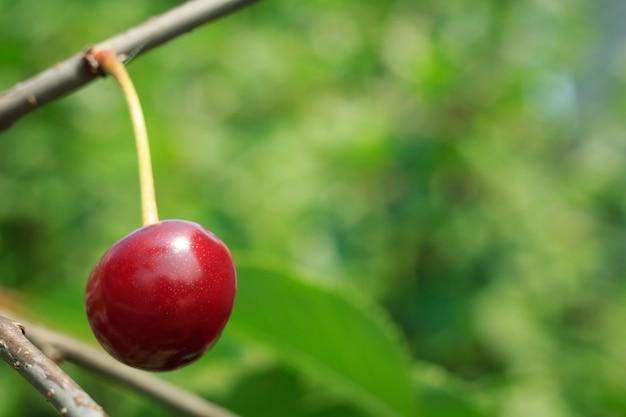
[(59, 389), (69, 75), (179, 400)]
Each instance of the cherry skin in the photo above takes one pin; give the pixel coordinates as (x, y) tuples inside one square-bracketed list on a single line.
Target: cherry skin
[(160, 297)]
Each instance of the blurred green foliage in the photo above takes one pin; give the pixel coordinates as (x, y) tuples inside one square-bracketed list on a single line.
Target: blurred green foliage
[(445, 175)]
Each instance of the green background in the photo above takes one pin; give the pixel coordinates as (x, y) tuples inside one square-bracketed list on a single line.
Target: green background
[(422, 197)]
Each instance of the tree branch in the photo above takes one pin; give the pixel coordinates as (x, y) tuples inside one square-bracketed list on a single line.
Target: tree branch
[(60, 346), (41, 372), (69, 75)]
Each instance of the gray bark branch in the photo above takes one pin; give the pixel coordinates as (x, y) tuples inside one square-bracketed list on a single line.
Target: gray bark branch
[(59, 389), (71, 74), (63, 347)]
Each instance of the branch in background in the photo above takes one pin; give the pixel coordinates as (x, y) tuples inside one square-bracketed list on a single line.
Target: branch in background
[(69, 75), (60, 346), (41, 372)]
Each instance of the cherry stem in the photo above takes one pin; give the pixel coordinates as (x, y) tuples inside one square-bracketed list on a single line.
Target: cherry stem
[(110, 64)]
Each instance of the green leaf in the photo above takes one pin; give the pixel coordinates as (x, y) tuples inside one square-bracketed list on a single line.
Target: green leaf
[(445, 394), (328, 334), (279, 392)]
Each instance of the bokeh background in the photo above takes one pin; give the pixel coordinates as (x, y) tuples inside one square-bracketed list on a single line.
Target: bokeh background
[(426, 199)]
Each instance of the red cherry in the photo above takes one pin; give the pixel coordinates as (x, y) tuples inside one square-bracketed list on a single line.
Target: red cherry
[(161, 296)]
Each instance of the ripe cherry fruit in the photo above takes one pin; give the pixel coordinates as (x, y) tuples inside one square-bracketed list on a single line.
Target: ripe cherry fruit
[(161, 296)]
